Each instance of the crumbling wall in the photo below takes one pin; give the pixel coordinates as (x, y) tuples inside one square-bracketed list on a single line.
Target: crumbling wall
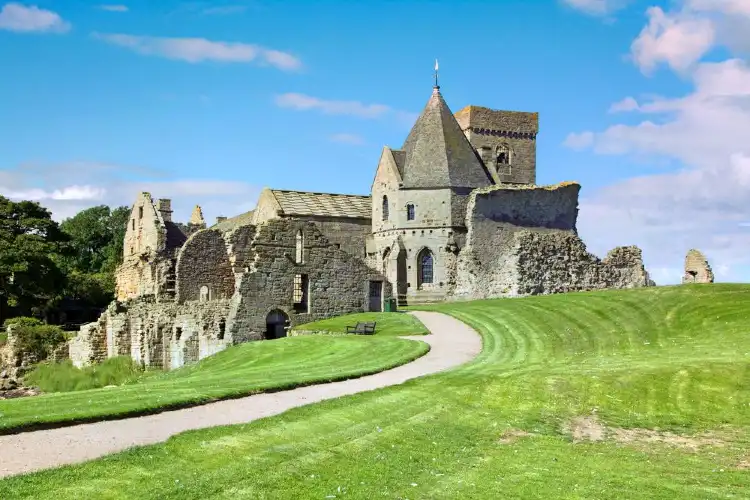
[(522, 241), (338, 283), (155, 334), (203, 270), (697, 269)]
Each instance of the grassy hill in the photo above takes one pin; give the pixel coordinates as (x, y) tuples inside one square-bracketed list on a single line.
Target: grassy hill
[(237, 371), (637, 394)]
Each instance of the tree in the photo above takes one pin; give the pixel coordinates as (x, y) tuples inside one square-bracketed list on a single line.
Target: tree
[(29, 243), (95, 250), (96, 238)]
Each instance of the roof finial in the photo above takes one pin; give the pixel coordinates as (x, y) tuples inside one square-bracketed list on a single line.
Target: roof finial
[(437, 87)]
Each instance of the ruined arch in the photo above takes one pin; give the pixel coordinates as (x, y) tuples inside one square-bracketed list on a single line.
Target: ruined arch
[(386, 256), (277, 322)]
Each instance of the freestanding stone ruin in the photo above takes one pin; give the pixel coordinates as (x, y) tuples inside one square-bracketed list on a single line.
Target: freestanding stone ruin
[(455, 213), (697, 269)]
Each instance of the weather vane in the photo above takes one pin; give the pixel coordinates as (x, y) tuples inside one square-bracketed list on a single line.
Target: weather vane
[(436, 74)]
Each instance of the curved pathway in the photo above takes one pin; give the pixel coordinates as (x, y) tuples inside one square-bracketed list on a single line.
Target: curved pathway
[(452, 343)]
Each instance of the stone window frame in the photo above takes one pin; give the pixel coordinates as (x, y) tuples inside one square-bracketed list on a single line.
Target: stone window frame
[(208, 293), (299, 255), (140, 213), (386, 210), (421, 270), (410, 211), (301, 293), (507, 161)]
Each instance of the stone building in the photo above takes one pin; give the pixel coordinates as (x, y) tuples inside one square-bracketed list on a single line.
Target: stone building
[(455, 213), (697, 269)]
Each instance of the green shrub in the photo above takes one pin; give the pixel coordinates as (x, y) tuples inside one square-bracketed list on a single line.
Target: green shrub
[(37, 341), (3, 338), (64, 377), (23, 321)]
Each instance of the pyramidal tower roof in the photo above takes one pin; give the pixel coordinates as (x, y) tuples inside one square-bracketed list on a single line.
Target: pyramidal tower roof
[(438, 154)]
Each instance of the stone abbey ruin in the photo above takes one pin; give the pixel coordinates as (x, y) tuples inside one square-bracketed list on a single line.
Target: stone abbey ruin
[(453, 214)]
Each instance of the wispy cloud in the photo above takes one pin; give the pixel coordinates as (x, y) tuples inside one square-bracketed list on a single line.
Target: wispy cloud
[(117, 185), (302, 102), (195, 50), (346, 138), (597, 7), (31, 19), (114, 8), (225, 10)]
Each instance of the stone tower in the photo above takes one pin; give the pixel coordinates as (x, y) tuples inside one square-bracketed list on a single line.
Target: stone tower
[(419, 201), (504, 140), (697, 269)]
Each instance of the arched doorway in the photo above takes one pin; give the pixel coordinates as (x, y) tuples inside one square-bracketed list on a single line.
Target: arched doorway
[(277, 322)]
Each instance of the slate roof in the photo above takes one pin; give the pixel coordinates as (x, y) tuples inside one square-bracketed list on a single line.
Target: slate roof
[(438, 154), (323, 204)]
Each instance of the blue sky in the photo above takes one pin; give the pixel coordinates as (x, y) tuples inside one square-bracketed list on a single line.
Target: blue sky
[(208, 102)]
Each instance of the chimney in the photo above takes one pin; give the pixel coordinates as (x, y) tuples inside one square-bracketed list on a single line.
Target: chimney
[(164, 207), (220, 219)]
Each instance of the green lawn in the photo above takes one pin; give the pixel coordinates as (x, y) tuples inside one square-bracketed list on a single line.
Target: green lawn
[(388, 323), (669, 358), (241, 370)]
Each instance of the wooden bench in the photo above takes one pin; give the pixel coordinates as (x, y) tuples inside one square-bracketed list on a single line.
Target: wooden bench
[(362, 328)]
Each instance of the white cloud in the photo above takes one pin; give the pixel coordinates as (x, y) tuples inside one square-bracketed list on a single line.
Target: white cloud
[(627, 104), (225, 10), (346, 138), (703, 204), (579, 141), (195, 50), (112, 185), (31, 19), (597, 7), (302, 102), (678, 40), (114, 8)]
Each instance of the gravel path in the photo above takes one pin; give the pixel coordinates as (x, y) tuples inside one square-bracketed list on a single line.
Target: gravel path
[(452, 343)]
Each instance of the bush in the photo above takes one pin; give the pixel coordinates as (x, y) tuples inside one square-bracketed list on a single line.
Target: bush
[(3, 338), (37, 341), (64, 377), (23, 321)]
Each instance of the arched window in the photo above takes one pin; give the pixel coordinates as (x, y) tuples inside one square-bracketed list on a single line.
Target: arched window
[(425, 267), (300, 247), (205, 294), (410, 211), (385, 208)]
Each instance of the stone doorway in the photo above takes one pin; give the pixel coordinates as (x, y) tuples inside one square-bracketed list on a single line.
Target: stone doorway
[(277, 323), (376, 296)]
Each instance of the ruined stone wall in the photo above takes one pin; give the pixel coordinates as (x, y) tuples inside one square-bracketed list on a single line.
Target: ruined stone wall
[(338, 283), (347, 234), (160, 335), (552, 207), (522, 241), (145, 242), (697, 269), (203, 270)]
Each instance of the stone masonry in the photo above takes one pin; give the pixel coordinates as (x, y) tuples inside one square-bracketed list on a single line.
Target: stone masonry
[(697, 269), (453, 214)]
